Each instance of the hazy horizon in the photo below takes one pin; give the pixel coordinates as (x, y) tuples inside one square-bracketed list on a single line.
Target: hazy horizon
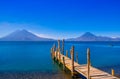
[(61, 19), (42, 36)]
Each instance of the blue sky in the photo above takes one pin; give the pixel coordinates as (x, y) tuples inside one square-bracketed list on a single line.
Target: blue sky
[(61, 18)]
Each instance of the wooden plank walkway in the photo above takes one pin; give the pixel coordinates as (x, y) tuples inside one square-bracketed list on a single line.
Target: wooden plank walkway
[(82, 69), (86, 70)]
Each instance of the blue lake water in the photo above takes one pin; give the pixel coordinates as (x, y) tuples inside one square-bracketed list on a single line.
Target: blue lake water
[(36, 57)]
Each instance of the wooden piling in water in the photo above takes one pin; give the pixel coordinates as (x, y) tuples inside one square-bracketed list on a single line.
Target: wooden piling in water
[(63, 63), (88, 63), (63, 46), (58, 45), (72, 58), (70, 53), (56, 54), (59, 54), (112, 72), (59, 57)]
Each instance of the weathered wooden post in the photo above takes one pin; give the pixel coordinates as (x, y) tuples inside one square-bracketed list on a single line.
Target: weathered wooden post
[(59, 57), (72, 58), (53, 51), (52, 54), (59, 45), (56, 54), (88, 63), (63, 46), (70, 53), (59, 54), (66, 53), (77, 57), (63, 63), (112, 72)]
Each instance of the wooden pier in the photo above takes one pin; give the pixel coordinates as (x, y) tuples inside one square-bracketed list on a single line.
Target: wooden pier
[(85, 70)]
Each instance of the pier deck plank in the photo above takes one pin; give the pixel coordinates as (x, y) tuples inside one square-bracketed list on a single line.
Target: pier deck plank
[(82, 69)]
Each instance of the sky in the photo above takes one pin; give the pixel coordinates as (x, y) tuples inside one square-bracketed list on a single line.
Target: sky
[(61, 18)]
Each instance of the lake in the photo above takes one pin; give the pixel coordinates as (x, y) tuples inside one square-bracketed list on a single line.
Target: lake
[(32, 60)]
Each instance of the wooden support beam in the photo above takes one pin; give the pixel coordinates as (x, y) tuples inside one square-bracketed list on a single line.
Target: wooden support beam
[(59, 57), (63, 46), (72, 58), (70, 53), (59, 51), (53, 53), (88, 63), (66, 53), (63, 63), (112, 72), (59, 45), (56, 54)]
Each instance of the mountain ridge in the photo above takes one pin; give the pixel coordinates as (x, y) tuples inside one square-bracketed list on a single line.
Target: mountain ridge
[(91, 37), (23, 35)]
